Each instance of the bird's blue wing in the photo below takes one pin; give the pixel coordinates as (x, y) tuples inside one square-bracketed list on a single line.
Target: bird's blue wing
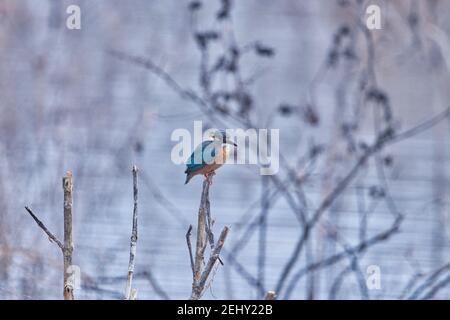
[(201, 156)]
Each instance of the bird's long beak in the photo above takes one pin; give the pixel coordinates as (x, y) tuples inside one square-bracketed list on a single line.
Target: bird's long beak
[(231, 142)]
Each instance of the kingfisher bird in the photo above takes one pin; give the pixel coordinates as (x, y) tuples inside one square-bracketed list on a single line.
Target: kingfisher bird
[(209, 155)]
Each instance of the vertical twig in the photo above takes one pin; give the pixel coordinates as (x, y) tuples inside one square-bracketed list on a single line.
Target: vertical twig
[(68, 240), (201, 235), (133, 295), (129, 293), (188, 241), (262, 239), (209, 224)]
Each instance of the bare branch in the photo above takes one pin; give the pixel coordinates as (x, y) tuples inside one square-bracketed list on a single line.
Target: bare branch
[(134, 236), (41, 225), (201, 235), (336, 285), (328, 200), (262, 239), (197, 290), (169, 80), (67, 247), (429, 281), (357, 249), (383, 139), (188, 241), (436, 288), (203, 229), (155, 285), (428, 124), (68, 241)]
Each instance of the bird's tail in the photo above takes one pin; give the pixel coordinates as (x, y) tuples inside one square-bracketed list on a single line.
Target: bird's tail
[(188, 178)]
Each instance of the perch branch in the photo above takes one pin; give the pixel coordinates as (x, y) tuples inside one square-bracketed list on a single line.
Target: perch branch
[(201, 235), (203, 232)]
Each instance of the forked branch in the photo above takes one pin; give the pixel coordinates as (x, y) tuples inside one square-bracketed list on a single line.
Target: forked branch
[(200, 274)]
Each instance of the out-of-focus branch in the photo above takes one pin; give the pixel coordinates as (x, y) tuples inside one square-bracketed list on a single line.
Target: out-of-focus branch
[(155, 285), (134, 236), (168, 79), (144, 275), (430, 282), (436, 288), (426, 125), (262, 239), (155, 69), (328, 200), (357, 249), (384, 138), (336, 285)]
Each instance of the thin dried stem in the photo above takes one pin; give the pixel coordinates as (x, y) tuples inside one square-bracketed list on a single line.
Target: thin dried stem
[(188, 241), (41, 225), (129, 293), (68, 240)]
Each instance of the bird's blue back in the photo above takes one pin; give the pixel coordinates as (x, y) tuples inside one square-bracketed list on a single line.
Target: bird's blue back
[(203, 158)]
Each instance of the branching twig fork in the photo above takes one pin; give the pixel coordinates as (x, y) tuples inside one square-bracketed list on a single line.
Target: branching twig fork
[(67, 247), (197, 288)]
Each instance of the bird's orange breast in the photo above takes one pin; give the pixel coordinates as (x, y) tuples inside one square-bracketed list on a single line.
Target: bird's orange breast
[(222, 156)]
